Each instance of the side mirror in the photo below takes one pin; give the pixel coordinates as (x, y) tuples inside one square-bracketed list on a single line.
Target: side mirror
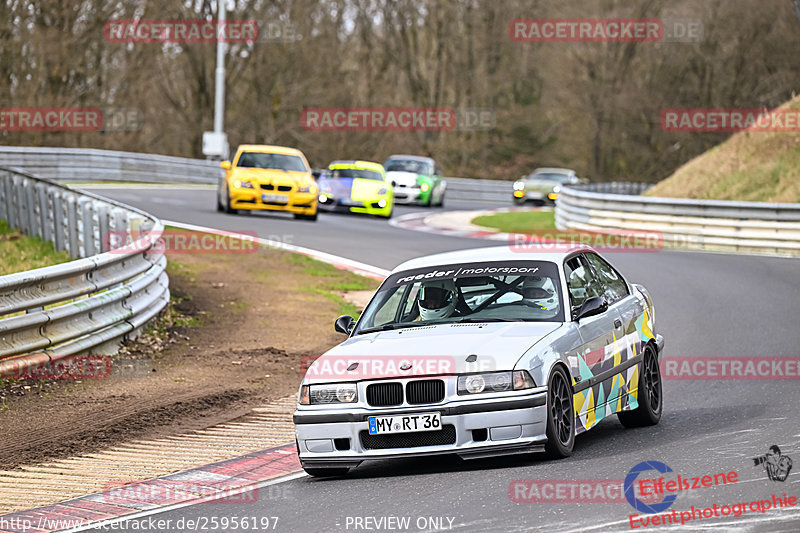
[(344, 324), (591, 307), (225, 165)]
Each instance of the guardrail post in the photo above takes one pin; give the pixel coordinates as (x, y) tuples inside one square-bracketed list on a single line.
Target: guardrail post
[(121, 227), (72, 227), (44, 214), (88, 228), (8, 187), (21, 219), (58, 223), (30, 205), (3, 208), (102, 224)]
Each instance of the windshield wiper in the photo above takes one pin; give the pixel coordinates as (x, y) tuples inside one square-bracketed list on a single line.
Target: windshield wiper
[(388, 327), (488, 319)]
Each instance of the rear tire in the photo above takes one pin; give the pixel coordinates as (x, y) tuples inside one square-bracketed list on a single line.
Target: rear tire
[(326, 472), (650, 396), (560, 416)]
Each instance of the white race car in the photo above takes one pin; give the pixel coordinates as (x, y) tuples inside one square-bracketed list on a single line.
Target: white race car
[(482, 352)]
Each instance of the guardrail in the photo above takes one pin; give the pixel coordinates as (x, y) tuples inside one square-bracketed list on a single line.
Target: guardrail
[(89, 164), (494, 191), (89, 304), (684, 223)]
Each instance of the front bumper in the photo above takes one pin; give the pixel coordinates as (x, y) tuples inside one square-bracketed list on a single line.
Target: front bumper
[(481, 427), (253, 200), (411, 195), (372, 207)]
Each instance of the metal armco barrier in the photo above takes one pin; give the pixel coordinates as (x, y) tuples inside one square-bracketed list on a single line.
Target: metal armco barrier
[(683, 223), (495, 191), (88, 164), (85, 305)]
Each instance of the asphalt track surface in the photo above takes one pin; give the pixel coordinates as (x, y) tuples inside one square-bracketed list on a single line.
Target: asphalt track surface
[(706, 305)]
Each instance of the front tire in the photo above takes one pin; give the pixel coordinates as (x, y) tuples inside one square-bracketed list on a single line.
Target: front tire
[(227, 205), (560, 416), (326, 472), (651, 399), (311, 218)]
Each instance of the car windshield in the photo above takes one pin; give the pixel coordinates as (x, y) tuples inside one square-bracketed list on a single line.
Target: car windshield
[(409, 165), (548, 177), (271, 161), (506, 291), (359, 173)]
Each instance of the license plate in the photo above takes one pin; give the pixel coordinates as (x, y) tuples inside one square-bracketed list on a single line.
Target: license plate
[(350, 202), (535, 195), (405, 423), (279, 198)]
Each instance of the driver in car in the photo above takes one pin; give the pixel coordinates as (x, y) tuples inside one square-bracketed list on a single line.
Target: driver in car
[(437, 299)]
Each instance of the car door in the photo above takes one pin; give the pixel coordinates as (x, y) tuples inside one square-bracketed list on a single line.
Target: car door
[(591, 359), (626, 309)]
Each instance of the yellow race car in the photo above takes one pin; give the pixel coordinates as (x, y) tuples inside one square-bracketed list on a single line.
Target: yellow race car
[(272, 178), (356, 187)]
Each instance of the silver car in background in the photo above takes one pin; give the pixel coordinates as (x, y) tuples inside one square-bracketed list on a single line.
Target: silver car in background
[(543, 185), (479, 353)]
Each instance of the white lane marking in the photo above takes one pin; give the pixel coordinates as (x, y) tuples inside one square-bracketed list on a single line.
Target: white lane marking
[(208, 499), (325, 257)]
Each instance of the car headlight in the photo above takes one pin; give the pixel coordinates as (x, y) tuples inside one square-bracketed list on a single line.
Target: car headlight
[(382, 192), (240, 184), (328, 394), (519, 185), (306, 188), (495, 382), (323, 198), (556, 189), (424, 187)]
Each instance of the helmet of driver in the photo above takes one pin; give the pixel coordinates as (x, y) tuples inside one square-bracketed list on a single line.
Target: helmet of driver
[(537, 289), (437, 299)]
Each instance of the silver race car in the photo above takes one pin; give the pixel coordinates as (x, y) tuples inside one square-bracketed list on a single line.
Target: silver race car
[(480, 353)]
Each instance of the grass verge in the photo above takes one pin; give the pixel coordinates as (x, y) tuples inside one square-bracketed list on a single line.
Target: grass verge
[(329, 280), (748, 166), (19, 252), (518, 221)]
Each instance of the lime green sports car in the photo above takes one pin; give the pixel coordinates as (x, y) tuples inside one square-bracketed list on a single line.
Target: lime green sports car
[(356, 187)]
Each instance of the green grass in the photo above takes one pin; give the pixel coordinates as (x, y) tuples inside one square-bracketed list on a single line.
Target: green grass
[(332, 280), (518, 221), (19, 253)]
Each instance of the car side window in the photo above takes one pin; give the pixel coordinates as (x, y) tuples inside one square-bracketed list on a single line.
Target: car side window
[(580, 281), (615, 287)]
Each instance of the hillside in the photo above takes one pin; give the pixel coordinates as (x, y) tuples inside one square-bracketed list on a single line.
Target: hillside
[(749, 166)]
